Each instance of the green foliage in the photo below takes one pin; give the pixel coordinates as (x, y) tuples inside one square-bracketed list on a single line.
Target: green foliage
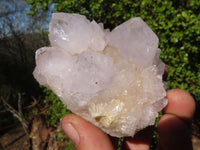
[(155, 133), (36, 4), (70, 147), (60, 136), (56, 108), (120, 143), (176, 22)]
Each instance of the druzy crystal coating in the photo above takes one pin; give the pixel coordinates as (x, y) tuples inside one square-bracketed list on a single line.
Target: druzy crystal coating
[(111, 78)]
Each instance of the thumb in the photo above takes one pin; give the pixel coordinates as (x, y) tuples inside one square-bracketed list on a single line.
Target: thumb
[(85, 135)]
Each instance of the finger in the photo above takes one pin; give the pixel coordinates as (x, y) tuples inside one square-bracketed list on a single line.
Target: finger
[(141, 140), (173, 129), (180, 104), (174, 133), (85, 135)]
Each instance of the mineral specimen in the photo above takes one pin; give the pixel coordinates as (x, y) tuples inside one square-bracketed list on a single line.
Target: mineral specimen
[(112, 79)]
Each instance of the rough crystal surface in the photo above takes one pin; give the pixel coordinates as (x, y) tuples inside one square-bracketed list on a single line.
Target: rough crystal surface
[(112, 79)]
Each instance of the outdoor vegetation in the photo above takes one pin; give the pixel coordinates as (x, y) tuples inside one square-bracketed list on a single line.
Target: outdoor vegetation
[(176, 23)]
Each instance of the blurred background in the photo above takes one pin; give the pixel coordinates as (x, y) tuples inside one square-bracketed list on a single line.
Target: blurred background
[(30, 114)]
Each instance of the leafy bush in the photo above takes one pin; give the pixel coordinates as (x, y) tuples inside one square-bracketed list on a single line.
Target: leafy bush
[(56, 108)]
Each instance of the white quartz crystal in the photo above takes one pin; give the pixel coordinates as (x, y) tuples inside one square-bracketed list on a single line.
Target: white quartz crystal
[(112, 79)]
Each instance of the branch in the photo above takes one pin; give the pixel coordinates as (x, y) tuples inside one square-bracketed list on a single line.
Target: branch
[(19, 104), (15, 113)]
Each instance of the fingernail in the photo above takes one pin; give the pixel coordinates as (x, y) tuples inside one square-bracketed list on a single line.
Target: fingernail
[(71, 132)]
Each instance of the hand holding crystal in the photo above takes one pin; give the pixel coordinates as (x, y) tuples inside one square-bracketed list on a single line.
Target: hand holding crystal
[(173, 128)]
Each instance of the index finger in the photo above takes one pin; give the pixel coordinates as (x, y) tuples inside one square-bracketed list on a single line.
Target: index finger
[(180, 104)]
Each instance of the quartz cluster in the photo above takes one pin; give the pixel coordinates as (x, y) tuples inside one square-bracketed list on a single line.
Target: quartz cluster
[(112, 79)]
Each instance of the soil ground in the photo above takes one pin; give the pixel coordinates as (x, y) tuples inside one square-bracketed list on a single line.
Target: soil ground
[(15, 139), (196, 143)]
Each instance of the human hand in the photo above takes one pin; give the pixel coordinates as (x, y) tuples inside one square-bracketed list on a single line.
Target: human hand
[(173, 128)]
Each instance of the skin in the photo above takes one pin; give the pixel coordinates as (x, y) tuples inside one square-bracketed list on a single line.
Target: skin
[(173, 128)]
